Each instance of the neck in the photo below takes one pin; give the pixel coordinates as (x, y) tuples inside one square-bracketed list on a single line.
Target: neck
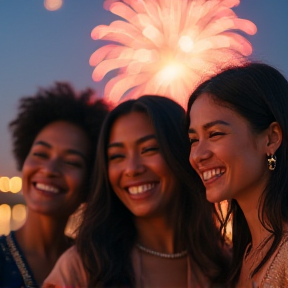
[(42, 235), (251, 207), (157, 234)]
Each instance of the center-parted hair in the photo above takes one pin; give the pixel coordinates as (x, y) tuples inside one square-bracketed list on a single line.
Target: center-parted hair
[(108, 233)]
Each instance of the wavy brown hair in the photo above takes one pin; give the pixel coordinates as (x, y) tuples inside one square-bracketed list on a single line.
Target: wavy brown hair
[(108, 233)]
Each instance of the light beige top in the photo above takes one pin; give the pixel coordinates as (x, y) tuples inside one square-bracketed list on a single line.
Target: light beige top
[(276, 275), (69, 272)]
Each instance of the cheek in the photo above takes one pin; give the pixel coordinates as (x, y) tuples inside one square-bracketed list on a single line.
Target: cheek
[(191, 159), (28, 168), (77, 180), (114, 174), (158, 165), (161, 169)]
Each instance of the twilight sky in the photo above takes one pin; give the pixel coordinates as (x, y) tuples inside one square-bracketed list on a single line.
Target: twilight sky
[(38, 47)]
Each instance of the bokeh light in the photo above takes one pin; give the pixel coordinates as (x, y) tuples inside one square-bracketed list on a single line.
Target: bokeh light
[(19, 213), (15, 184), (53, 5), (5, 217), (4, 184)]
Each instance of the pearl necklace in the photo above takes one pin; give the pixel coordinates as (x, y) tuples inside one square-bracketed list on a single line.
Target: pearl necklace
[(162, 255)]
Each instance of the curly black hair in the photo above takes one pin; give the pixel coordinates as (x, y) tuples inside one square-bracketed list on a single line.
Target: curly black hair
[(57, 103)]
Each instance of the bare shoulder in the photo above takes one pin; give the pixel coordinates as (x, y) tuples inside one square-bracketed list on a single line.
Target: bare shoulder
[(68, 271)]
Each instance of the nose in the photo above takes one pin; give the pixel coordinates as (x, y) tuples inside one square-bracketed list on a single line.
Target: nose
[(200, 153), (135, 166), (51, 168)]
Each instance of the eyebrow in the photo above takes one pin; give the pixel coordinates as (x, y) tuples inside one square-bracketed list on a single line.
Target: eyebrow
[(68, 151), (210, 124), (139, 141)]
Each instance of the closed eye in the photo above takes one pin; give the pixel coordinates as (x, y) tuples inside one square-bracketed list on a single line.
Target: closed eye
[(192, 141), (74, 163), (214, 134), (41, 155), (150, 149), (115, 156)]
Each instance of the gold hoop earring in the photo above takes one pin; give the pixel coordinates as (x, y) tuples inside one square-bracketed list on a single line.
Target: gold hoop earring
[(272, 159)]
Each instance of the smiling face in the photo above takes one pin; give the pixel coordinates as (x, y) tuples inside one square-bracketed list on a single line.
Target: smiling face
[(227, 155), (137, 170), (54, 172)]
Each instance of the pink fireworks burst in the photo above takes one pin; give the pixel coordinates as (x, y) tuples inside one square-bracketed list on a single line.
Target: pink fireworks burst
[(167, 47)]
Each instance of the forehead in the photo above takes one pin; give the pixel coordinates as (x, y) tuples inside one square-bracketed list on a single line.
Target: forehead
[(131, 127), (205, 109), (65, 135), (204, 106)]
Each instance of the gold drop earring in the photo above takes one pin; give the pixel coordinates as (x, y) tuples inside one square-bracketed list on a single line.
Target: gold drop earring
[(272, 159)]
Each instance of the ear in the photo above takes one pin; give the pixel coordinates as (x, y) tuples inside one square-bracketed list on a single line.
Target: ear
[(274, 138)]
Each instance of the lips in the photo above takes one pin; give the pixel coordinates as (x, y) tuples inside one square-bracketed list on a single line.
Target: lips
[(212, 173)]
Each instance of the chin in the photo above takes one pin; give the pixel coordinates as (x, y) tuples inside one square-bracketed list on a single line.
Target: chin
[(142, 213), (48, 211), (215, 198)]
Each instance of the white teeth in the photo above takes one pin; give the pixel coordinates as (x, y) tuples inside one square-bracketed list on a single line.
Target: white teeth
[(47, 188), (140, 189), (212, 173)]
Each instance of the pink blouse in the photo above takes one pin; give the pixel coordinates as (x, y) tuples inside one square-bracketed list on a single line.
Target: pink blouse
[(70, 273)]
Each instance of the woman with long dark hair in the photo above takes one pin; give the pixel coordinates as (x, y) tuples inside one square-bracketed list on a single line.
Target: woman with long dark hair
[(147, 224), (238, 130), (53, 135)]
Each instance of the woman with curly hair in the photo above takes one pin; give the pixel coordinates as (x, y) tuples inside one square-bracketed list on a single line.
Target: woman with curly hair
[(147, 223), (54, 138)]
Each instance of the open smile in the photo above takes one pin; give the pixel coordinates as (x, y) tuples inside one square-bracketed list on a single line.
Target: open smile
[(139, 189), (47, 188), (212, 173)]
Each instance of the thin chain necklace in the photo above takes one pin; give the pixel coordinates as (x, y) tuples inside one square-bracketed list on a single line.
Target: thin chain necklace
[(162, 255)]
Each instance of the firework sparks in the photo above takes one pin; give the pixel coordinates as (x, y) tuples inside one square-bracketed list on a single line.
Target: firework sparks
[(166, 47)]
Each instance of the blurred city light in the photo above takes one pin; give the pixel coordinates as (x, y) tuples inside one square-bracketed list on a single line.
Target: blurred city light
[(19, 213), (53, 5), (5, 216), (13, 185), (11, 219), (4, 184)]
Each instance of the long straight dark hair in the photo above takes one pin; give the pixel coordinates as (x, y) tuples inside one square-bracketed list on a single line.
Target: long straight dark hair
[(259, 93), (108, 233)]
